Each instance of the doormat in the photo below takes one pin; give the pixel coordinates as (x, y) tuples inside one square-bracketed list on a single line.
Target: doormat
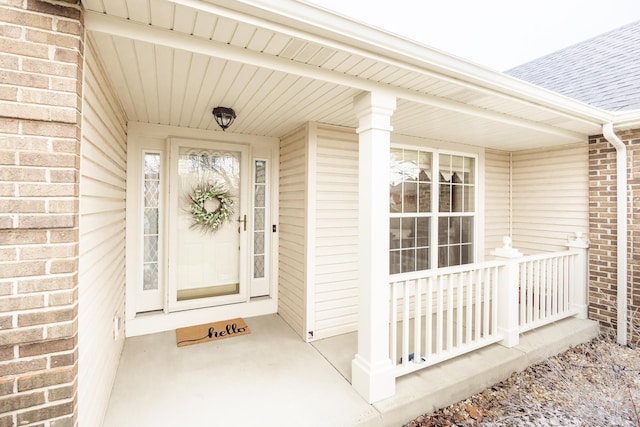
[(211, 332)]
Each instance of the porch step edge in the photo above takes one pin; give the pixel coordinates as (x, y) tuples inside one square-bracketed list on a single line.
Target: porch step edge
[(457, 379)]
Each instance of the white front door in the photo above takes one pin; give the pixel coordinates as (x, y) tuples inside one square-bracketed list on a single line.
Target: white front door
[(207, 263)]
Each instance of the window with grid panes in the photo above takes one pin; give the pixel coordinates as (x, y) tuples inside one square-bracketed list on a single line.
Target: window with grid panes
[(431, 220)]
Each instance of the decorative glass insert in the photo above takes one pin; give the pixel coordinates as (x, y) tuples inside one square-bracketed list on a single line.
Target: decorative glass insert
[(259, 218), (151, 195)]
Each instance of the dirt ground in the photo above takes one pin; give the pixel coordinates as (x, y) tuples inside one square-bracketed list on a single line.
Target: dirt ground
[(593, 384)]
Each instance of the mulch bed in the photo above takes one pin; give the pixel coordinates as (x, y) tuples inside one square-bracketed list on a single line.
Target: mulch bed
[(593, 384)]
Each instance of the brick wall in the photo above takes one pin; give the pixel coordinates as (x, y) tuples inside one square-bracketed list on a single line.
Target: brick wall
[(41, 60), (602, 224)]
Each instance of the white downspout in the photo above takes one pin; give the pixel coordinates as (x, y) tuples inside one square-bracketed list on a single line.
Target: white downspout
[(621, 197)]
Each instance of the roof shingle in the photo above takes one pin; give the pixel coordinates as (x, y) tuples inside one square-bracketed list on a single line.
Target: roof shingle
[(603, 71)]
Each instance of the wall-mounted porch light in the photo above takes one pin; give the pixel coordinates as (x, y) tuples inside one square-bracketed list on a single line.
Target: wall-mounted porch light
[(224, 116)]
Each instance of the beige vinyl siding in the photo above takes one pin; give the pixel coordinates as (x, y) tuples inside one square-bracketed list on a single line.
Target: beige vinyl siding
[(336, 246), (550, 197), (292, 230), (496, 192), (102, 241)]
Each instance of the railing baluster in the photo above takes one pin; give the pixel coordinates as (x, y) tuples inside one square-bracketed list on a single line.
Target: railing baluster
[(478, 305), (554, 299), (405, 322), (494, 302), (428, 330), (439, 302), (530, 287), (468, 321), (459, 307), (568, 288), (394, 324), (449, 342), (417, 322), (486, 284)]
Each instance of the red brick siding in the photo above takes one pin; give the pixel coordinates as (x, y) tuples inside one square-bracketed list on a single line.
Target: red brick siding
[(603, 232), (41, 69)]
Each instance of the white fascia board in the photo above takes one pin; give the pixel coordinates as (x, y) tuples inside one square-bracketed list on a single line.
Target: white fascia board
[(627, 120), (155, 35), (374, 43)]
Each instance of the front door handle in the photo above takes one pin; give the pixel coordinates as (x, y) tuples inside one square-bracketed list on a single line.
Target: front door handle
[(244, 221)]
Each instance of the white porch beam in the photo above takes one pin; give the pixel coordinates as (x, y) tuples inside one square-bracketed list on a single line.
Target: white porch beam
[(372, 369), (124, 28)]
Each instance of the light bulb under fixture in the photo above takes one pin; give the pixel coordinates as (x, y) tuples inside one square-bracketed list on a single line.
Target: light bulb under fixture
[(224, 116)]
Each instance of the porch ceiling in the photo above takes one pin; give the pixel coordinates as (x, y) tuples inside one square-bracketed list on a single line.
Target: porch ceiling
[(171, 61)]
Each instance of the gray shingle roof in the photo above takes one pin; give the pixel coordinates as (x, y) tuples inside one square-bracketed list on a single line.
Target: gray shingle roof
[(603, 71)]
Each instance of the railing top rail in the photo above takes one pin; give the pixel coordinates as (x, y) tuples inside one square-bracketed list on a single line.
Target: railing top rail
[(549, 255), (424, 274)]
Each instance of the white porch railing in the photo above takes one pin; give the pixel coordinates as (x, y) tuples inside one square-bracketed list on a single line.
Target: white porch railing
[(440, 314), (545, 293)]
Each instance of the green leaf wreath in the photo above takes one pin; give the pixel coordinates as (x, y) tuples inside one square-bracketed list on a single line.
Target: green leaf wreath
[(210, 220)]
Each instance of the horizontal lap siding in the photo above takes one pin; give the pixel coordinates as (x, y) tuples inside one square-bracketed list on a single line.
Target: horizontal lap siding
[(496, 199), (550, 197), (336, 245), (292, 238), (102, 241)]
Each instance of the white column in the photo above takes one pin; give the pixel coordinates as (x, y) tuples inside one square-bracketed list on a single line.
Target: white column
[(580, 282), (372, 369), (508, 285)]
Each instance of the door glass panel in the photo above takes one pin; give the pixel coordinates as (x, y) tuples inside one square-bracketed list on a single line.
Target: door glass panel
[(207, 258)]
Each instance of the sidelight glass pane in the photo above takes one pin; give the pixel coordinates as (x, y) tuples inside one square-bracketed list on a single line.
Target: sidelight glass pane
[(150, 234), (259, 217)]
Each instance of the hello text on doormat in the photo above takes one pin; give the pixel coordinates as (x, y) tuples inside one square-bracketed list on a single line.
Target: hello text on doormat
[(211, 332)]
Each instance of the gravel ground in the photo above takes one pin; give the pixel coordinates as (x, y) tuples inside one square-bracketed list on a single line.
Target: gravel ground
[(593, 384)]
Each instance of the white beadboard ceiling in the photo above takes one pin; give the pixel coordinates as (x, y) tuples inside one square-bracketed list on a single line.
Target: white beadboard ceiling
[(172, 61)]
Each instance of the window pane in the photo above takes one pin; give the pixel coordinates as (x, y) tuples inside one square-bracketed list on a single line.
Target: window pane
[(467, 230), (424, 197), (423, 231), (469, 196), (259, 196), (443, 231), (395, 198), (150, 277), (422, 259), (152, 166), (258, 243), (151, 221), (150, 248), (408, 263), (258, 220), (260, 172), (470, 170), (410, 197), (408, 232), (258, 266), (394, 262), (445, 194), (394, 233)]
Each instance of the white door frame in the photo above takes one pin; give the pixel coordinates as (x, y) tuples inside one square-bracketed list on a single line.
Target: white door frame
[(172, 303)]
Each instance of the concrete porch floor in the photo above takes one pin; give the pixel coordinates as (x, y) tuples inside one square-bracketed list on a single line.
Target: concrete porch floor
[(272, 378)]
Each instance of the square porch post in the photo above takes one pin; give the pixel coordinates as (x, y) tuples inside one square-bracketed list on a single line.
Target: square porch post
[(372, 369)]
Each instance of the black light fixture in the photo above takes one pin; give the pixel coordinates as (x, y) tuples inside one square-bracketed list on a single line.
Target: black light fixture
[(224, 116)]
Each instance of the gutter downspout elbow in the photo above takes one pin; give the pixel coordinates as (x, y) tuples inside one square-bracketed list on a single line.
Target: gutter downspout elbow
[(621, 198)]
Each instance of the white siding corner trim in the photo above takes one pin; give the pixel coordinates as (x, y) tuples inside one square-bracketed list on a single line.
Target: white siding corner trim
[(102, 241)]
